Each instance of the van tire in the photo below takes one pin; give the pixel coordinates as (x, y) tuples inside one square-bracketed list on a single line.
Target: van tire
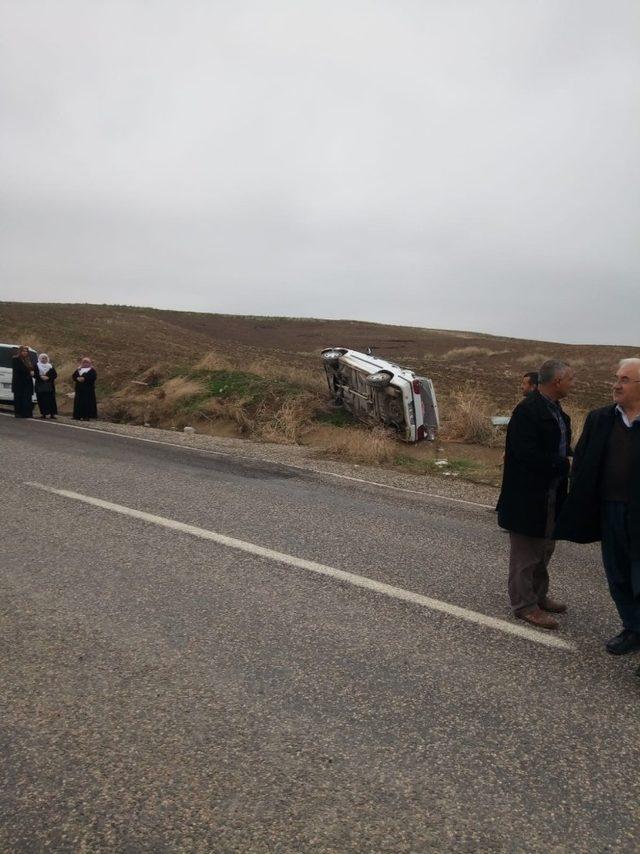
[(332, 355), (380, 379)]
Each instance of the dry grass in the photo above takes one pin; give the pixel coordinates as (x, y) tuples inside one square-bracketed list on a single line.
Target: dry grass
[(536, 359), (237, 411), (610, 366), (214, 361), (186, 401), (289, 423), (296, 375), (64, 384), (158, 406), (153, 376), (467, 418), (532, 360), (25, 335), (272, 368), (370, 447), (468, 353), (65, 371), (578, 415), (179, 388), (278, 403)]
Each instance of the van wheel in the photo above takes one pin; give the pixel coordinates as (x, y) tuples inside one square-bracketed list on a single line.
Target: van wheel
[(380, 379), (332, 355)]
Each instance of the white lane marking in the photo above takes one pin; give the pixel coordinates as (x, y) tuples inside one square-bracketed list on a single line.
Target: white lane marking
[(271, 462), (400, 488), (319, 568)]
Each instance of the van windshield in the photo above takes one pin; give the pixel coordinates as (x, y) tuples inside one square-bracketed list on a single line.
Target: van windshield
[(7, 354)]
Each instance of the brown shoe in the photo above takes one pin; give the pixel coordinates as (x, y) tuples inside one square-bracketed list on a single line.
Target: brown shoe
[(552, 606), (538, 618)]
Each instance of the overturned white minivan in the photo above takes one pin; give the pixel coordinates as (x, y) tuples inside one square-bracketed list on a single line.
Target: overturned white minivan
[(379, 392)]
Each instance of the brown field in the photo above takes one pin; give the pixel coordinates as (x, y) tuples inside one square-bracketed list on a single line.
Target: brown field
[(261, 377)]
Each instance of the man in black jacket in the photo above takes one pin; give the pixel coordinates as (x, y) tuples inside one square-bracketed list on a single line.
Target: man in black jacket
[(534, 486), (604, 501)]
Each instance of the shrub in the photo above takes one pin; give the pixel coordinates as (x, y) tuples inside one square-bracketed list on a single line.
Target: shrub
[(467, 418), (288, 424)]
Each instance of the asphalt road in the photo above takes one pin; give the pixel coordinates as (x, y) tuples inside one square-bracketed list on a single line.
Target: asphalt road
[(160, 691)]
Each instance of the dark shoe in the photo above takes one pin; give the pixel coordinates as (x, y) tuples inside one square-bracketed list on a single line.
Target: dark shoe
[(552, 606), (539, 619), (626, 641)]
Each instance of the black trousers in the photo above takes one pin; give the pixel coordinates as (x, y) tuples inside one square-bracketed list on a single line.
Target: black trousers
[(623, 573), (23, 403), (47, 402)]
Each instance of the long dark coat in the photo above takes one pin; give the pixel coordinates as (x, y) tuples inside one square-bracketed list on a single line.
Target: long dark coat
[(531, 465), (22, 388), (84, 402), (580, 517), (46, 392)]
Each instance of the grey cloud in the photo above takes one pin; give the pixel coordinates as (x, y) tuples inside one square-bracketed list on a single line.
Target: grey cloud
[(467, 165)]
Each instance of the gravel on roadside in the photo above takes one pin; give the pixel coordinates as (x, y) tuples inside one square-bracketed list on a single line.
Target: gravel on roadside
[(298, 456)]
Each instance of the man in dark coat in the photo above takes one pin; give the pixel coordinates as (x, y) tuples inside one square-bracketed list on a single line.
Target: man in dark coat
[(529, 382), (534, 486), (604, 501)]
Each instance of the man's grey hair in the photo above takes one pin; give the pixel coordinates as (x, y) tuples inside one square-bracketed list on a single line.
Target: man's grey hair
[(632, 362), (551, 369)]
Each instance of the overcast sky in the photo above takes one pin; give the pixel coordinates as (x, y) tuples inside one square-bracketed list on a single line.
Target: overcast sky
[(438, 163)]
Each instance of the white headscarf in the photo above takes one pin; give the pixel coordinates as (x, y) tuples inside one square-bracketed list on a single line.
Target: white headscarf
[(44, 367), (85, 365)]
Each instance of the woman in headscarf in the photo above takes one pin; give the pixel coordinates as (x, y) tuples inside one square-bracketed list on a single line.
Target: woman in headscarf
[(84, 403), (45, 377), (22, 383)]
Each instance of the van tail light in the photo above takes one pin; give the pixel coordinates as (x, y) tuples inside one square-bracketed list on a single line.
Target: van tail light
[(416, 386)]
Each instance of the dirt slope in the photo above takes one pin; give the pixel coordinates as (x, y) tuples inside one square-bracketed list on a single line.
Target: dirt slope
[(126, 340)]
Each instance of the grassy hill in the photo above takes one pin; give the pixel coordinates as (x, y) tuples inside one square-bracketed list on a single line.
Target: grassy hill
[(262, 376)]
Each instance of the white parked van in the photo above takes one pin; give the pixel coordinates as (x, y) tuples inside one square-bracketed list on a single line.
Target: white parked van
[(379, 392), (7, 352)]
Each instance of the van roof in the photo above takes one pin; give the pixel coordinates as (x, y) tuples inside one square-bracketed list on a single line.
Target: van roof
[(16, 346)]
